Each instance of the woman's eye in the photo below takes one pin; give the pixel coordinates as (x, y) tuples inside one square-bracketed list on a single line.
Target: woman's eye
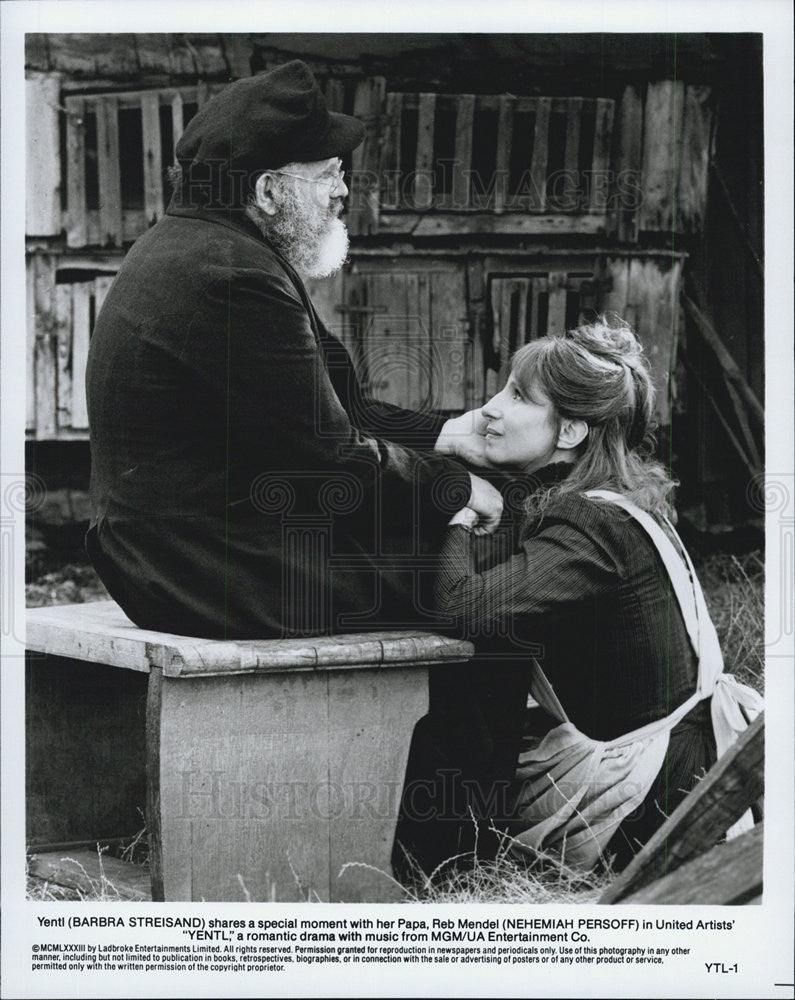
[(515, 394)]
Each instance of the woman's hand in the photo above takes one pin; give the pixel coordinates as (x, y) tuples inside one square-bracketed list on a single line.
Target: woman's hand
[(485, 502), (465, 438)]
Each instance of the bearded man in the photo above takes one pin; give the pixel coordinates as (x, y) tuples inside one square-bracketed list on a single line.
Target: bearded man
[(243, 486)]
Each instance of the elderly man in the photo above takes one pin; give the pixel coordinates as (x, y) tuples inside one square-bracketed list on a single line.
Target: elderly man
[(242, 483)]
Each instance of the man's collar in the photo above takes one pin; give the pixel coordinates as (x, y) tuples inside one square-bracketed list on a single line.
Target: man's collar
[(232, 218)]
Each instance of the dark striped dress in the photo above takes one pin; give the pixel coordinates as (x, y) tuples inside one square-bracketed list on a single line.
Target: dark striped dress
[(584, 590)]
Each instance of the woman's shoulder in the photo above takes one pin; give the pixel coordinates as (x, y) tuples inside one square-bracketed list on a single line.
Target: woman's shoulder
[(603, 525), (582, 510)]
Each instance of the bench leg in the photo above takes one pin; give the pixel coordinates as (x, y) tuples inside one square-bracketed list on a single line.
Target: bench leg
[(263, 786)]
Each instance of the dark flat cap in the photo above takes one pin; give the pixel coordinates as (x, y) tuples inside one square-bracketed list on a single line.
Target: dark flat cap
[(265, 121)]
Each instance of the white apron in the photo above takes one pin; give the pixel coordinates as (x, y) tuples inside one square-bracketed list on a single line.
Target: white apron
[(575, 791)]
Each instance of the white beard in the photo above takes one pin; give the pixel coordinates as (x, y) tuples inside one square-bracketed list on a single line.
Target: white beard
[(312, 238)]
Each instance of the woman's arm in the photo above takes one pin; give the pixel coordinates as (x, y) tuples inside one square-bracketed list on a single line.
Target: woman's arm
[(554, 570)]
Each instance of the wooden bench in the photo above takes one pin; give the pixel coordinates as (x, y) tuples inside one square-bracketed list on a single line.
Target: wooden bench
[(265, 766)]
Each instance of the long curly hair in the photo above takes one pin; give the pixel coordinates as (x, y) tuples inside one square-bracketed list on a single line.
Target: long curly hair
[(596, 373)]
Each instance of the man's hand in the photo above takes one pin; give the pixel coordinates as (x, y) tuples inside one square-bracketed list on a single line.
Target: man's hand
[(465, 438), (486, 502), (466, 517)]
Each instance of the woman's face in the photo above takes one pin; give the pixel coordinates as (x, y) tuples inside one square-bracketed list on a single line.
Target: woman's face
[(521, 430)]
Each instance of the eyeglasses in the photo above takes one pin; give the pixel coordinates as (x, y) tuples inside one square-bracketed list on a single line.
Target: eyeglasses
[(333, 180)]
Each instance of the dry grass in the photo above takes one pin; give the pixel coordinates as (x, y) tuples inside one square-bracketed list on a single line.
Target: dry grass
[(734, 589), (96, 889), (508, 879)]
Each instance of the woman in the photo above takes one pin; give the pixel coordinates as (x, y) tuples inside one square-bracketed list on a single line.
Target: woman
[(598, 600)]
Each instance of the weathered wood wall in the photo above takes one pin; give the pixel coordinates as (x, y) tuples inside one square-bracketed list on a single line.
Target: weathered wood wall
[(479, 217)]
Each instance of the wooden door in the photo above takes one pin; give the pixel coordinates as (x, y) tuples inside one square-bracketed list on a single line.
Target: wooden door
[(407, 327)]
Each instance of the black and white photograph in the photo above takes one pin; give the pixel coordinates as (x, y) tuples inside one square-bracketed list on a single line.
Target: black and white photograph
[(398, 507)]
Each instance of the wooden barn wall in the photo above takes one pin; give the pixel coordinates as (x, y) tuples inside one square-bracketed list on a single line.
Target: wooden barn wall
[(423, 276), (725, 277)]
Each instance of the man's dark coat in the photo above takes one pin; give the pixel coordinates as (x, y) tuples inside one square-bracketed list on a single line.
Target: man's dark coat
[(242, 486)]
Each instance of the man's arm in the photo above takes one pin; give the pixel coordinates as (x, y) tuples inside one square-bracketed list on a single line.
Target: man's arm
[(283, 410), (413, 428)]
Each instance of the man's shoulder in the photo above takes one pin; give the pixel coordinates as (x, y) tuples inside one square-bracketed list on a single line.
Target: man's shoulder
[(193, 255), (208, 238)]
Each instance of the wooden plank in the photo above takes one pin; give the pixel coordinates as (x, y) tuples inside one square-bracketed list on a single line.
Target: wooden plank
[(76, 235), (423, 166), (132, 98), (153, 158), (379, 719), (30, 343), (364, 204), (653, 311), (43, 163), (92, 227), (538, 285), (154, 725), (617, 285), (475, 292), (239, 50), (465, 116), (335, 93), (100, 633), (63, 336), (538, 163), (133, 224), (733, 784), (557, 105), (556, 311), (503, 161), (522, 286), (418, 309), (109, 171), (395, 342), (728, 875), (203, 93), (390, 158), (81, 331), (495, 301), (102, 285), (629, 164), (93, 875), (46, 364), (726, 361), (662, 136), (572, 194), (754, 468), (177, 124), (691, 203), (450, 343), (745, 429), (482, 223), (506, 289), (276, 754), (600, 164)]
